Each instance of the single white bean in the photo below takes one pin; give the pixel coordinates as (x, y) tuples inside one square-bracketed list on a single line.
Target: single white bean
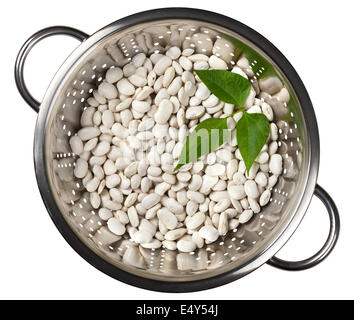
[(107, 90), (223, 226), (125, 87), (133, 217), (222, 205), (265, 197), (202, 92), (191, 207), (251, 189), (195, 196), (185, 63), (150, 200), (276, 164), (88, 133), (217, 63), (209, 233), (215, 170), (105, 214), (186, 245), (245, 216), (175, 234), (167, 218), (114, 74), (163, 112), (195, 221), (162, 64), (174, 206), (173, 52), (273, 131), (102, 148), (236, 192), (115, 226), (81, 168), (170, 245), (195, 112)]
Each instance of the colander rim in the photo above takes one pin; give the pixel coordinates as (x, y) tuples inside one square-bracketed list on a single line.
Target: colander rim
[(161, 15)]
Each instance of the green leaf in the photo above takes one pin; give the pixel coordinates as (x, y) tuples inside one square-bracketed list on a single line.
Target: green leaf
[(227, 86), (209, 135), (252, 133)]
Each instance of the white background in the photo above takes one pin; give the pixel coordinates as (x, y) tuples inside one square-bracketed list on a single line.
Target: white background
[(315, 36)]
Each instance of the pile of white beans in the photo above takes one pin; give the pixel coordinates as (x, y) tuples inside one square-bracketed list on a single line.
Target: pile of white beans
[(133, 130)]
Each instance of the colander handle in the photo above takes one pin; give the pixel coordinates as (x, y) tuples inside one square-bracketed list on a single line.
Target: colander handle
[(25, 50), (329, 244)]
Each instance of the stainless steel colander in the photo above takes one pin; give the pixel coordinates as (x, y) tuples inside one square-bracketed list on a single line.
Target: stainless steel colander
[(243, 249)]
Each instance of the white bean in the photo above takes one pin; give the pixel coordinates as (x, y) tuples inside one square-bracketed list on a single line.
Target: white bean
[(174, 206), (273, 131), (150, 200), (174, 87), (255, 207), (267, 111), (167, 218), (236, 192), (217, 63), (195, 196), (202, 92), (161, 65), (191, 207), (215, 170), (209, 233), (107, 90), (88, 133), (139, 59), (265, 197), (233, 224), (222, 205), (251, 189), (81, 168), (112, 181), (201, 65), (115, 226), (101, 149), (105, 214), (114, 74), (133, 217), (183, 97), (126, 117), (186, 245), (276, 164), (245, 216), (195, 183), (185, 63), (95, 200), (272, 181), (223, 226), (173, 53), (208, 183), (170, 245), (163, 112), (195, 112), (125, 87), (175, 234), (195, 221)]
